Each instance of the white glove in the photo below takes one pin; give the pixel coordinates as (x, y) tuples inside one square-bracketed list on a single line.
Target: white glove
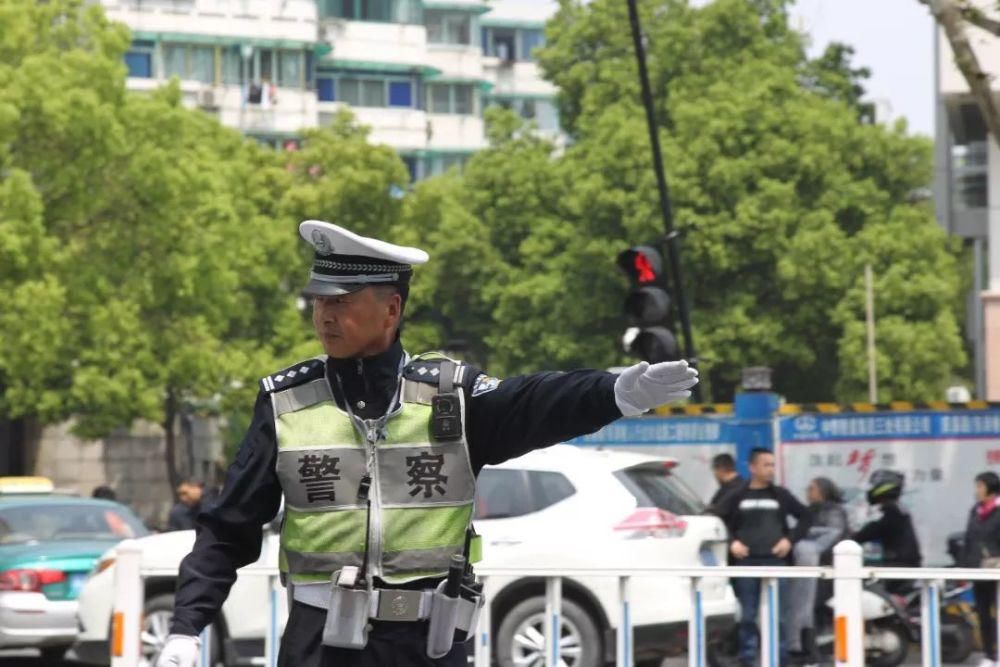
[(643, 387), (180, 651)]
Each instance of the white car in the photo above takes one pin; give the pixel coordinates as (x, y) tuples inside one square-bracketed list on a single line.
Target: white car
[(564, 507)]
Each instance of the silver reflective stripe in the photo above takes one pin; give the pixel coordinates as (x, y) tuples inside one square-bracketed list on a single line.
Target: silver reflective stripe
[(423, 560), (433, 474), (322, 478), (301, 396), (303, 563)]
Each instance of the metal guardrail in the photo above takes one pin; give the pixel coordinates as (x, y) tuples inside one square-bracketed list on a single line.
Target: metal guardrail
[(847, 573)]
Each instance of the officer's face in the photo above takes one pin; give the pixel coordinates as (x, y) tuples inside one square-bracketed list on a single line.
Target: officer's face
[(359, 324)]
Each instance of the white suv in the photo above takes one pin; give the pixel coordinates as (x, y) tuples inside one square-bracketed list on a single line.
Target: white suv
[(565, 507)]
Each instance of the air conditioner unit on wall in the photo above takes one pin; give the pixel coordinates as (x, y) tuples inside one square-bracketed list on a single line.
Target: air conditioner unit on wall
[(206, 99)]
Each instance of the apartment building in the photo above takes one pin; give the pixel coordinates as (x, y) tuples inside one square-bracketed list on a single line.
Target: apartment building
[(418, 72)]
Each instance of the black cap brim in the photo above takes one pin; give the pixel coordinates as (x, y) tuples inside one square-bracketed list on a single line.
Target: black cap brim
[(326, 288)]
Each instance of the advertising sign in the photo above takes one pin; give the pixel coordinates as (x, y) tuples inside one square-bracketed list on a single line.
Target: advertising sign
[(939, 452)]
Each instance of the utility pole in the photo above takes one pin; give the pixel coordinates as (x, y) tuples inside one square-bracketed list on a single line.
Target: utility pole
[(670, 239), (870, 326)]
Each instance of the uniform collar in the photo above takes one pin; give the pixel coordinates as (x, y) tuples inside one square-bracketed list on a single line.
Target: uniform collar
[(370, 381)]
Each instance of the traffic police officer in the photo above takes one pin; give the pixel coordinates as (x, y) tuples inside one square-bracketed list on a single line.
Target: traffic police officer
[(376, 454)]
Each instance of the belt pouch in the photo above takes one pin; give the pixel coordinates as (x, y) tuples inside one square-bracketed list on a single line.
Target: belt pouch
[(444, 619), (347, 618)]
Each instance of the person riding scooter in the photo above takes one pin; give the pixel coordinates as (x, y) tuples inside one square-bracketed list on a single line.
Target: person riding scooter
[(894, 529)]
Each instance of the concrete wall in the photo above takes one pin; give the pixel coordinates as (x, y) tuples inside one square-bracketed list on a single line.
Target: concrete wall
[(130, 461)]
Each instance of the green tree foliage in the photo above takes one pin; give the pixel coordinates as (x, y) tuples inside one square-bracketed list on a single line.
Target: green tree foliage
[(149, 258), (781, 193)]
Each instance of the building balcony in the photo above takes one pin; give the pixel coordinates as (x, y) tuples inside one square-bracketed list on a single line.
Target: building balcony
[(263, 20), (456, 132), (285, 112), (456, 61), (357, 44), (402, 128), (513, 78)]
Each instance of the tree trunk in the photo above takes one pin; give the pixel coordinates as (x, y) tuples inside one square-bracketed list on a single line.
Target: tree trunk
[(13, 443), (948, 15), (169, 420)]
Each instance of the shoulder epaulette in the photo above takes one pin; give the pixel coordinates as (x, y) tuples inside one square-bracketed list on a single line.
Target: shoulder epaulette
[(427, 368), (304, 371)]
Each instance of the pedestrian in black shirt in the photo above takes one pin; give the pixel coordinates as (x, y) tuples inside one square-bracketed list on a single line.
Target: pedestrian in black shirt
[(182, 516), (982, 549), (759, 533), (724, 470)]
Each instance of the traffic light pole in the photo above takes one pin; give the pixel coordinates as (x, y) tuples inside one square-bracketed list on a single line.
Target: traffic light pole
[(671, 241)]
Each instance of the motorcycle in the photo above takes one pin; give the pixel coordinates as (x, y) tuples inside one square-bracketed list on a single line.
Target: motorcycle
[(887, 637), (958, 621)]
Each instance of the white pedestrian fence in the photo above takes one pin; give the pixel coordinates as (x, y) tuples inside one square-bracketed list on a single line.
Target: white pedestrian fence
[(848, 575)]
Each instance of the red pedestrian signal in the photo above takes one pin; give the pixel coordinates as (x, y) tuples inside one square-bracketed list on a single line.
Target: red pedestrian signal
[(644, 269), (647, 306)]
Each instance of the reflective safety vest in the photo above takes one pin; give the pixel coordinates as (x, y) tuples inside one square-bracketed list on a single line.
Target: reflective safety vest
[(421, 493)]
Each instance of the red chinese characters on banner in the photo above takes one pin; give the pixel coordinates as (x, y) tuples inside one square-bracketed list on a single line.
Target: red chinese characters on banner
[(993, 456), (863, 460)]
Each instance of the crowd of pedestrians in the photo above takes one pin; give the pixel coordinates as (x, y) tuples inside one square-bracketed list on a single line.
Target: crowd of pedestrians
[(769, 526)]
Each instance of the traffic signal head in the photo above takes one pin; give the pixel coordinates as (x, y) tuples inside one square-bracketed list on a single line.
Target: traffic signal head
[(642, 264), (655, 344), (647, 306)]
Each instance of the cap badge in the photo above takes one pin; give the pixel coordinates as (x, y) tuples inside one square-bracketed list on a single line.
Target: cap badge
[(322, 243)]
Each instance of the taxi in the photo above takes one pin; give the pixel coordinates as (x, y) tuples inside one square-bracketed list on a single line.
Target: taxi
[(49, 543)]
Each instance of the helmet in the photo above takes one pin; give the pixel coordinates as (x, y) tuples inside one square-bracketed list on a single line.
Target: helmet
[(885, 485)]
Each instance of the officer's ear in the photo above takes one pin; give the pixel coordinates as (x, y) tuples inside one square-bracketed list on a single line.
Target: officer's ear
[(393, 302)]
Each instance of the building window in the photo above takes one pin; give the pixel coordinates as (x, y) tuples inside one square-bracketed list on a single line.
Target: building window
[(454, 98), (189, 62), (411, 166), (546, 115), (542, 111), (366, 91), (439, 164), (449, 27), (266, 65), (530, 40), (140, 64), (325, 89), (382, 11), (290, 69), (202, 63), (500, 43), (174, 60), (232, 66), (511, 43), (309, 69), (361, 92), (400, 94)]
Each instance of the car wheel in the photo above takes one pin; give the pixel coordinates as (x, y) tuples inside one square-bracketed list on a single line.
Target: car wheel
[(520, 640), (156, 616)]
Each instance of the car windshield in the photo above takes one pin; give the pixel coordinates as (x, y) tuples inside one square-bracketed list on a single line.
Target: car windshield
[(67, 521), (656, 487)]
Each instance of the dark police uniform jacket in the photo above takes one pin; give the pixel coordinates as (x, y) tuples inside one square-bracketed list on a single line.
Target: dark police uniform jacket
[(504, 421)]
